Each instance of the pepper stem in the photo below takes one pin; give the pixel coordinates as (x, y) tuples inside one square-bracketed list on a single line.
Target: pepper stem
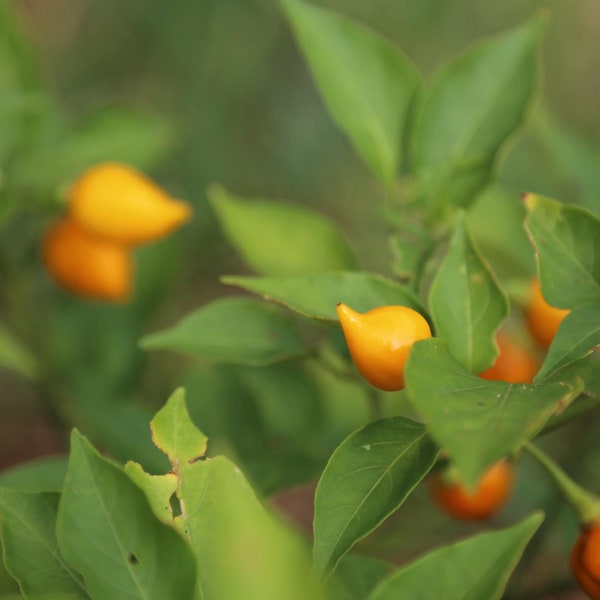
[(584, 503)]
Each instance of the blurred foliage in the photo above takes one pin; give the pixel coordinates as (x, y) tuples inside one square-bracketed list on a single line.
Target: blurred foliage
[(216, 91)]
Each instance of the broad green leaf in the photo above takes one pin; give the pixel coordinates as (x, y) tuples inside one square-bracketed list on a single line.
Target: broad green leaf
[(108, 533), (158, 489), (567, 240), (232, 330), (242, 551), (477, 421), (366, 82), (577, 336), (39, 475), (367, 478), (476, 102), (477, 568), (280, 238), (120, 135), (30, 549), (316, 297), (467, 303), (356, 576), (175, 434), (15, 356)]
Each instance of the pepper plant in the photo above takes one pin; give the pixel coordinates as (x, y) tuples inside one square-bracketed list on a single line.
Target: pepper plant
[(270, 353)]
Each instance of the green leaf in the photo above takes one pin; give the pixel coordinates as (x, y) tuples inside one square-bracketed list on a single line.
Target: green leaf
[(232, 330), (30, 549), (175, 434), (15, 356), (474, 569), (567, 240), (40, 475), (577, 336), (467, 304), (367, 478), (477, 421), (116, 135), (280, 238), (108, 533), (366, 82), (242, 551), (474, 105), (158, 489), (316, 297)]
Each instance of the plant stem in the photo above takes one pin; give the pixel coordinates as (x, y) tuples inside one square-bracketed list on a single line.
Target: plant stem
[(585, 504), (375, 405)]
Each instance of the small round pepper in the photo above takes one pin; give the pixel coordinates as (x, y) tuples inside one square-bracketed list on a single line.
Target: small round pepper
[(380, 340), (85, 264), (542, 318), (514, 363), (118, 202), (488, 497), (585, 560)]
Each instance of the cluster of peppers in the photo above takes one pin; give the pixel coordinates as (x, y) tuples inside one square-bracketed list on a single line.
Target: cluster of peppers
[(379, 342), (111, 208)]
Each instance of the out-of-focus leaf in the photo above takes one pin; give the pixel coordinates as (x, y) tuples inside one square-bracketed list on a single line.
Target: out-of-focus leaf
[(567, 240), (40, 475), (573, 159), (467, 303), (368, 477), (474, 569), (496, 225), (477, 421), (116, 135), (277, 238), (366, 82), (30, 549), (234, 331), (316, 297), (108, 533), (474, 105), (15, 356)]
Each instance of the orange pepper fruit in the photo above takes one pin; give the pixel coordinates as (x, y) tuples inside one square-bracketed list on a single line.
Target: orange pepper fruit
[(380, 340), (85, 264), (542, 318), (488, 497), (585, 561), (116, 201), (514, 363)]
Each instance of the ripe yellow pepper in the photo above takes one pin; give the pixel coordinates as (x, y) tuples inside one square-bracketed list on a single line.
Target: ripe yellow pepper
[(380, 340), (118, 202)]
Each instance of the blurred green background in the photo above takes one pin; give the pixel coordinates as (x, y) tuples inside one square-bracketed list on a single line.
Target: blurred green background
[(216, 91)]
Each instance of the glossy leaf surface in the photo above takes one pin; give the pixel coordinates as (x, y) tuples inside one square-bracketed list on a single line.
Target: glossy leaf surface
[(474, 569), (477, 421), (316, 297), (467, 303), (368, 477)]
